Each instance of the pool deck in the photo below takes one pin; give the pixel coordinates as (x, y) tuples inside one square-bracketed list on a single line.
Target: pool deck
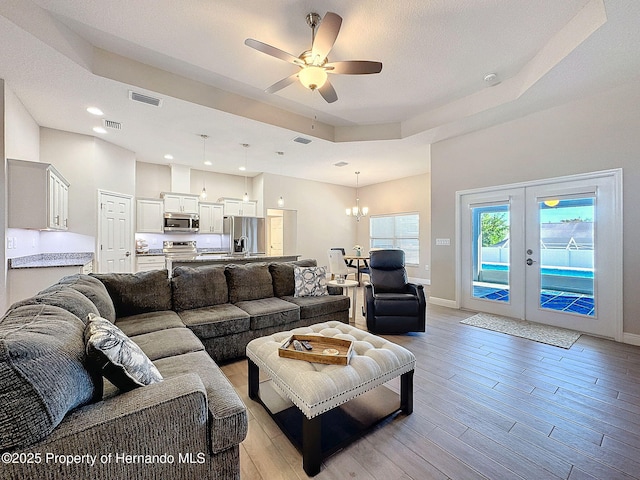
[(551, 299)]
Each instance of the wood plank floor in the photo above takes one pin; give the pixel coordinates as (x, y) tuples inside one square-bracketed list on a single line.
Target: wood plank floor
[(486, 405)]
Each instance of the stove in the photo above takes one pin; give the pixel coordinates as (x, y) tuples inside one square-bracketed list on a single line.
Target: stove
[(179, 250)]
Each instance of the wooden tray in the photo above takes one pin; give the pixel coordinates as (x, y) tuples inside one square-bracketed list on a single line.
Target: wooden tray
[(319, 344)]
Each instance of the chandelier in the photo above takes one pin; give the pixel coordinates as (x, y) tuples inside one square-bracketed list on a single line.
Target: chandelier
[(356, 211)]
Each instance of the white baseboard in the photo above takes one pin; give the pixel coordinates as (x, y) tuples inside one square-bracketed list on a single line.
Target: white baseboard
[(443, 302), (631, 338)]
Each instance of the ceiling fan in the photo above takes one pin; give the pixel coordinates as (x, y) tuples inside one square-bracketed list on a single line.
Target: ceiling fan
[(313, 63)]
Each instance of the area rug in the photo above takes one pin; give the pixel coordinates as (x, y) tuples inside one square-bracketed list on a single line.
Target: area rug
[(537, 332)]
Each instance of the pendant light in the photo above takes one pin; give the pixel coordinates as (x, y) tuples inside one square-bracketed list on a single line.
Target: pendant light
[(280, 200), (203, 194), (245, 197), (356, 211)]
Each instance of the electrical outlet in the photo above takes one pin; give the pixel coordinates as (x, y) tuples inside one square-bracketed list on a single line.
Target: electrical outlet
[(426, 267), (9, 243)]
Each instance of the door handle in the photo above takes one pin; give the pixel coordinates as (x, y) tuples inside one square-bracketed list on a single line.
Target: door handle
[(530, 261)]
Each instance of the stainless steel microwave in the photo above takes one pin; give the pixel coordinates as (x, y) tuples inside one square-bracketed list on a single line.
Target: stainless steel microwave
[(181, 222)]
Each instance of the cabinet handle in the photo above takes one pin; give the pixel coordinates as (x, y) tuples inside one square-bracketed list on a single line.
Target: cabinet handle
[(57, 219)]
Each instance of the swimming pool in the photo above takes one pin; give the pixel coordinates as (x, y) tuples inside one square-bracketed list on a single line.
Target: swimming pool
[(559, 271)]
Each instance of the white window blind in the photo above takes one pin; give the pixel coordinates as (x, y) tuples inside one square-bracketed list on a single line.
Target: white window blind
[(397, 231)]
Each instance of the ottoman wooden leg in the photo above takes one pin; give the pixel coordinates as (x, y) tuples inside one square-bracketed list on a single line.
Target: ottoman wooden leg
[(406, 392), (311, 445), (254, 379)]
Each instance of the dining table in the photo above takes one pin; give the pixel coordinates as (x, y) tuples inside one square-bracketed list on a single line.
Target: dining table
[(358, 259)]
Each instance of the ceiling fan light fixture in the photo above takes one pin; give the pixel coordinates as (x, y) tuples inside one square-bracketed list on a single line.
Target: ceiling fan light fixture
[(312, 77)]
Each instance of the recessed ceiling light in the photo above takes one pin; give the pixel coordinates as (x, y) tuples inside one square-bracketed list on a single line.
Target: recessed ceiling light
[(242, 169), (168, 156), (95, 111), (99, 130), (208, 163)]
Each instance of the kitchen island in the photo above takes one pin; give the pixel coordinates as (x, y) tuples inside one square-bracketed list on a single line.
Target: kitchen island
[(217, 259)]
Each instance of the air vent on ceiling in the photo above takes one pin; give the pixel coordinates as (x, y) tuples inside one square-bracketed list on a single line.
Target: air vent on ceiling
[(111, 124), (302, 140), (340, 164), (139, 97)]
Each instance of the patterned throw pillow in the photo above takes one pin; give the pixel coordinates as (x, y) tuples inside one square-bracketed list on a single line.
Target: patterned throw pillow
[(310, 281), (121, 361)]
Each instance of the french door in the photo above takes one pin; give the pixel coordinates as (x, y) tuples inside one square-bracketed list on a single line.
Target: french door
[(548, 252)]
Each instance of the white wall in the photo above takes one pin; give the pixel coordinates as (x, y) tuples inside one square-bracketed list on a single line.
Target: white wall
[(322, 223), (595, 133), (19, 138), (406, 195), (88, 164)]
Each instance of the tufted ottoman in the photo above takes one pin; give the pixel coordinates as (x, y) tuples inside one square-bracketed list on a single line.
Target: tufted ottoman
[(317, 389)]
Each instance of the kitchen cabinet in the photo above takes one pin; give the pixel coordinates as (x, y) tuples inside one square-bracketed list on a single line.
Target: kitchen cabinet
[(151, 262), (180, 203), (38, 196), (149, 216), (239, 208), (211, 217)]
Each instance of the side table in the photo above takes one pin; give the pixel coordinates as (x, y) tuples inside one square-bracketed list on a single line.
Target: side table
[(348, 284)]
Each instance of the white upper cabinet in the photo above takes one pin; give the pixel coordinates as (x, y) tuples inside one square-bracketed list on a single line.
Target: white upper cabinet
[(211, 217), (180, 203), (149, 216), (38, 196), (239, 208)]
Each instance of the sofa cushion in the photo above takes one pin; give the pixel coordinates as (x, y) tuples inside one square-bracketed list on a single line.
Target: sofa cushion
[(227, 413), (167, 343), (134, 293), (65, 297), (310, 281), (119, 359), (199, 287), (216, 321), (311, 307), (269, 312), (148, 322), (282, 275), (248, 282), (43, 372), (90, 287)]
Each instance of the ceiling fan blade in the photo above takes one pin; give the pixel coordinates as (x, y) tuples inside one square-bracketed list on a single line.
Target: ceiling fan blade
[(285, 82), (354, 67), (328, 92), (273, 51), (326, 35)]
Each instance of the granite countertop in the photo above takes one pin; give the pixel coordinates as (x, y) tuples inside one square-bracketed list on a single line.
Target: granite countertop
[(44, 260), (231, 258)]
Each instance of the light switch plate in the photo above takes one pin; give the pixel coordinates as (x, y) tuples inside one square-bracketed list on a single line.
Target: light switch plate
[(443, 241)]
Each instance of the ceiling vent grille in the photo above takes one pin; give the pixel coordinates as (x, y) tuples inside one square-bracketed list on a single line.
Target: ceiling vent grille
[(341, 164), (111, 124), (139, 97), (304, 141)]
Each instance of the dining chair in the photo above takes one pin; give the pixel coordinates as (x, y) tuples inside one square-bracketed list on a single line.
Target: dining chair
[(338, 265)]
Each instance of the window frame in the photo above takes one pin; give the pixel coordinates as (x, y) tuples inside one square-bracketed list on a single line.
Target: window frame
[(394, 240)]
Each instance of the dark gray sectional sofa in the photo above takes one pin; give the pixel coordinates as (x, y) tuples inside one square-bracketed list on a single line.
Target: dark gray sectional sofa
[(57, 413)]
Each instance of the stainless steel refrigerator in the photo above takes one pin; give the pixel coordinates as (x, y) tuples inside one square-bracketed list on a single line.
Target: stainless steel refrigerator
[(245, 234)]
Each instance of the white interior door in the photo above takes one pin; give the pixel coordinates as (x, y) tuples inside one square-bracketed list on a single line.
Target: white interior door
[(115, 233), (276, 235), (548, 252)]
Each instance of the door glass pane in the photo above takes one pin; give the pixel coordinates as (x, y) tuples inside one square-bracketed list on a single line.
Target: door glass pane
[(567, 248), (490, 236)]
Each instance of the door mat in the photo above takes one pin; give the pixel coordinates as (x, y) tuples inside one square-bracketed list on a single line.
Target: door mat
[(559, 337)]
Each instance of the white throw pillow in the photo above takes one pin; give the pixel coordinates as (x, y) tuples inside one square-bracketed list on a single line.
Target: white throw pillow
[(310, 281), (119, 359)]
